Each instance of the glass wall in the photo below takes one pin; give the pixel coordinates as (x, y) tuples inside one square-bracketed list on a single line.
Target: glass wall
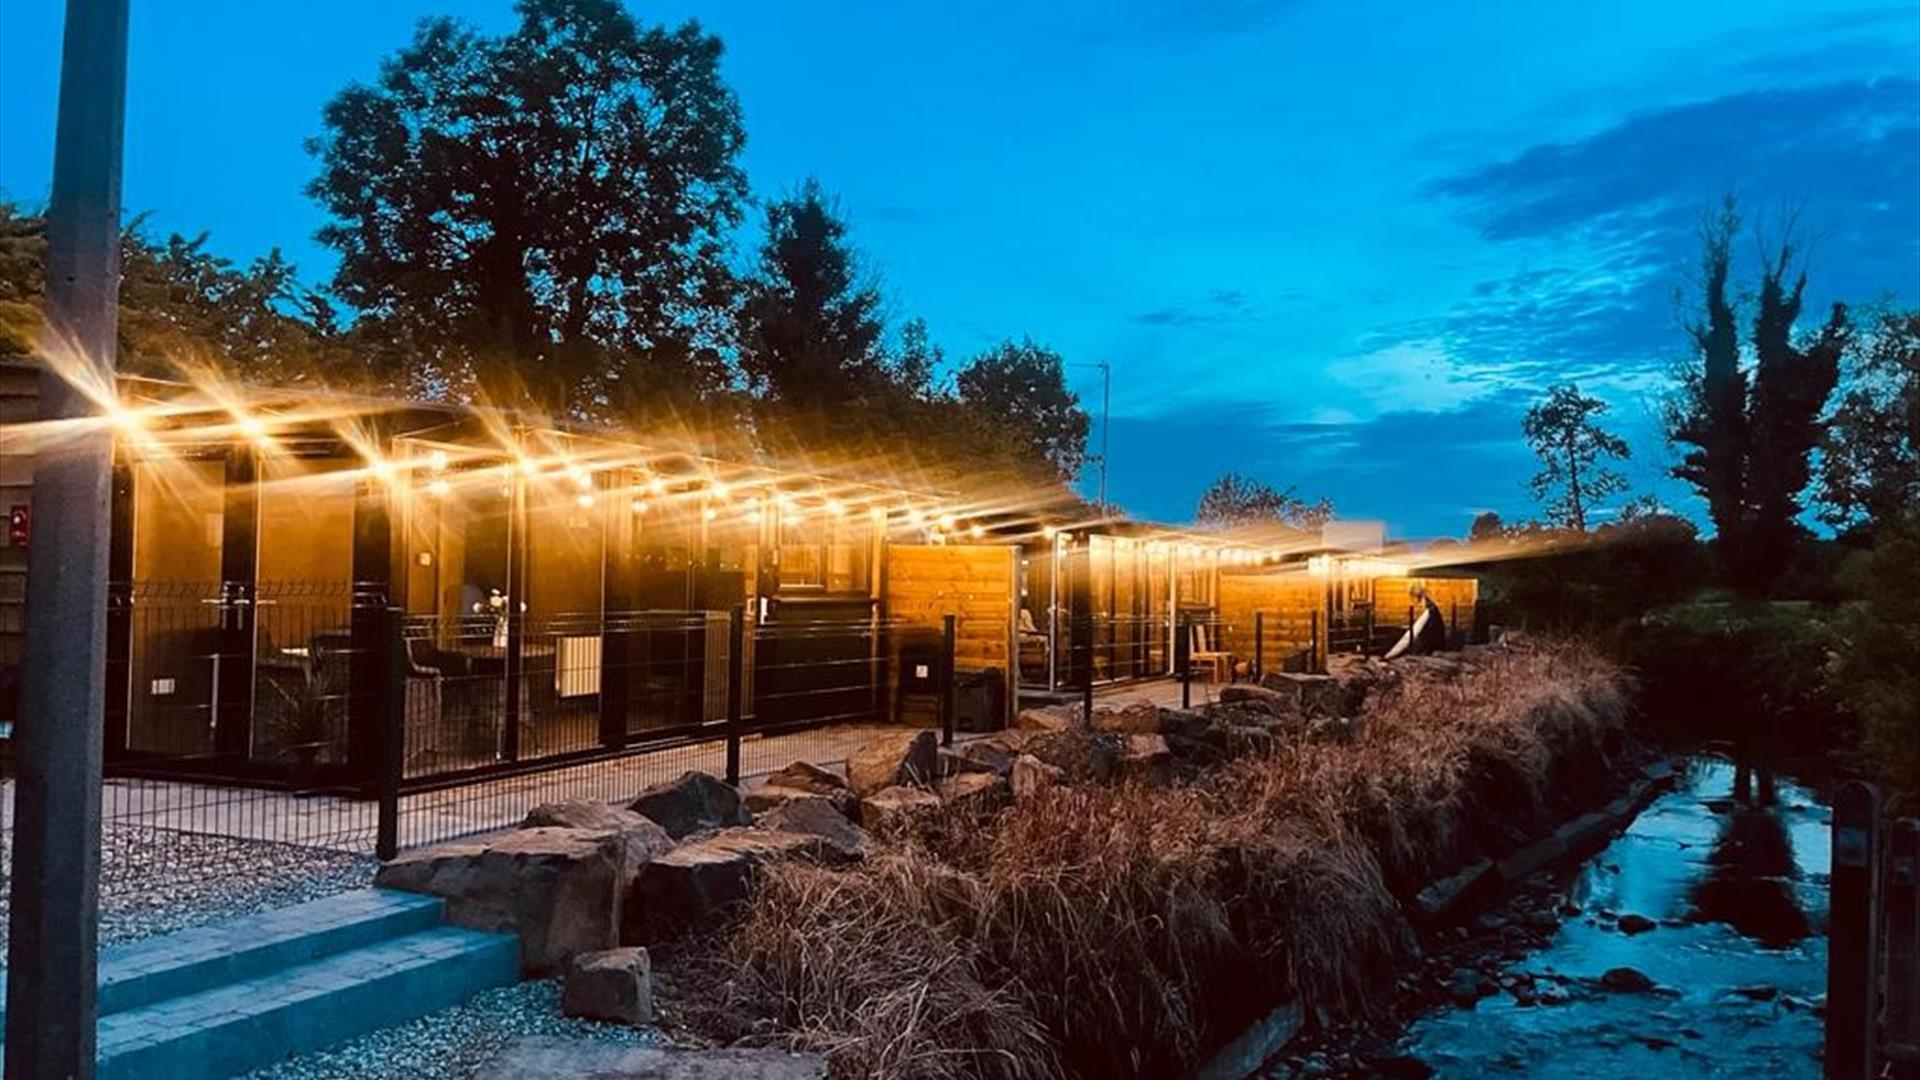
[(304, 574), (176, 645)]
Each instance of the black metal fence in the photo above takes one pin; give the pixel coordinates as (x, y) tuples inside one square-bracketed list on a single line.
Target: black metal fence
[(314, 717)]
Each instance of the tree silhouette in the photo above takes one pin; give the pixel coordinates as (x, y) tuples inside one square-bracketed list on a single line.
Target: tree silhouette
[(1870, 456), (1234, 500), (1752, 434), (543, 212), (1572, 447), (1015, 396)]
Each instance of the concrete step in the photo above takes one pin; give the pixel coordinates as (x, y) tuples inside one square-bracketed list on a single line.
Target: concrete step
[(189, 961), (244, 1025)]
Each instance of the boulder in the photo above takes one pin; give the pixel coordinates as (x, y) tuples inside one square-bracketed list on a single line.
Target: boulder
[(900, 757), (643, 836), (1240, 740), (993, 753), (1030, 776), (694, 803), (1305, 692), (1193, 752), (613, 985), (1255, 697), (697, 884), (1142, 718), (1627, 980), (950, 763), (1631, 924), (1082, 755), (894, 806), (1051, 718), (560, 890), (816, 815), (802, 780), (1186, 723), (1148, 759), (975, 791)]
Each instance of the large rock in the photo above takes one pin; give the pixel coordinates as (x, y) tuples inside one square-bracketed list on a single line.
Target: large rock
[(894, 806), (974, 790), (560, 890), (1305, 692), (1147, 759), (995, 754), (1030, 776), (1082, 755), (694, 803), (815, 815), (903, 757), (697, 884), (643, 836), (802, 780), (614, 986), (1051, 718), (1259, 698), (1141, 718)]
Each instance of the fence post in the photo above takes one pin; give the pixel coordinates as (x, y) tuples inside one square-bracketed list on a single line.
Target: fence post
[(1316, 661), (1183, 659), (1259, 641), (1851, 945), (392, 715), (1903, 945), (736, 684), (1366, 643), (947, 703)]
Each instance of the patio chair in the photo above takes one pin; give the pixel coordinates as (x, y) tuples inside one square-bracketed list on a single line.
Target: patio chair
[(1218, 662)]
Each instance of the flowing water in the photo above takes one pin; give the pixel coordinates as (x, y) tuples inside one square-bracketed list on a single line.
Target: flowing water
[(1737, 888)]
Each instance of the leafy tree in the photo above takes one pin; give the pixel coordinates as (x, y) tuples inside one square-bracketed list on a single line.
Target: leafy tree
[(1870, 458), (1877, 668), (810, 329), (183, 307), (1015, 396), (1572, 446), (546, 210), (1487, 526), (1752, 434), (1234, 501)]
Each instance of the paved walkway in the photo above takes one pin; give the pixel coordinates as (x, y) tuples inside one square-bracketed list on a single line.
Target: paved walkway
[(350, 825)]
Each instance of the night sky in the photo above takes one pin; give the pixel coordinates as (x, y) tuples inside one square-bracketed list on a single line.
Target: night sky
[(1334, 245)]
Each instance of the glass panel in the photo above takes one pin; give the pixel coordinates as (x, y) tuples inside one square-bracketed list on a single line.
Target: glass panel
[(178, 517), (305, 573)]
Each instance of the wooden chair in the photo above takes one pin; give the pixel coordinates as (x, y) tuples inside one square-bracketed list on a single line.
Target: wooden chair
[(1200, 653)]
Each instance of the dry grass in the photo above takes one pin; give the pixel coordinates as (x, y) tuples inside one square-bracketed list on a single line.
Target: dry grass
[(1127, 931)]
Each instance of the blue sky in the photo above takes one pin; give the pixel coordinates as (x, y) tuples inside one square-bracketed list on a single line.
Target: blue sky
[(1333, 245)]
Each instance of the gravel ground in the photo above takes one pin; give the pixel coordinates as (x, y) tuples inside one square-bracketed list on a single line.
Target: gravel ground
[(455, 1042), (153, 881)]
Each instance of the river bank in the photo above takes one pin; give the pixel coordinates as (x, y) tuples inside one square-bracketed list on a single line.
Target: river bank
[(1102, 928), (1693, 945)]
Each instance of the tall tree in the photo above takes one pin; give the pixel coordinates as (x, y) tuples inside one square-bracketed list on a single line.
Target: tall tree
[(544, 211), (1573, 448), (1487, 526), (810, 328), (1870, 457), (1753, 434), (1015, 396), (1234, 500)]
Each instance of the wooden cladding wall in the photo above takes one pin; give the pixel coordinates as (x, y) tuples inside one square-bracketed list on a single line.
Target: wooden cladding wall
[(975, 583), (1458, 598), (1292, 626)]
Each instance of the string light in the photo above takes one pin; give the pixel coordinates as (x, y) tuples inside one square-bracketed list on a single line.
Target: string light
[(585, 500), (978, 531), (657, 486), (946, 522), (639, 506), (255, 431), (835, 507), (709, 513), (437, 461), (439, 489)]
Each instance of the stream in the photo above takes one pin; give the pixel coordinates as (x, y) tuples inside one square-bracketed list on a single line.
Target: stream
[(1730, 895)]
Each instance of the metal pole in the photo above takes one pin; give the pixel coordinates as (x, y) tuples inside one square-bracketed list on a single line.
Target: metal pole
[(1106, 418), (392, 715), (54, 917), (1902, 1010), (1851, 937), (947, 640), (1259, 639), (736, 684), (1183, 659)]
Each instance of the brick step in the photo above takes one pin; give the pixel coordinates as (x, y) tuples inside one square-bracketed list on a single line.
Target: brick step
[(244, 1025), (201, 958)]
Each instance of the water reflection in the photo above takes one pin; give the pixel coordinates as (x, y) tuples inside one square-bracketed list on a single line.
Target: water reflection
[(1749, 883)]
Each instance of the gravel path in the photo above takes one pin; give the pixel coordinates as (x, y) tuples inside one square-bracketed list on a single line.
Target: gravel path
[(153, 881), (454, 1042)]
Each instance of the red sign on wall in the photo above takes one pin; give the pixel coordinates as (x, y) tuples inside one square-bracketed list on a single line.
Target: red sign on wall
[(19, 525)]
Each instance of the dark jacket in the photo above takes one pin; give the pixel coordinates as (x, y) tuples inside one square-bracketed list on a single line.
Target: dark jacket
[(1433, 634)]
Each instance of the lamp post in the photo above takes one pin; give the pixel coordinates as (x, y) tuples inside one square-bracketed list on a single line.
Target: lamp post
[(54, 920)]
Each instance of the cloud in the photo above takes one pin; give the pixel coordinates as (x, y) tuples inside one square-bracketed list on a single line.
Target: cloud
[(1219, 306), (1603, 229)]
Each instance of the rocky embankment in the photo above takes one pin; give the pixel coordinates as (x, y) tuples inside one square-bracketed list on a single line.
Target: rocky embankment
[(1117, 895)]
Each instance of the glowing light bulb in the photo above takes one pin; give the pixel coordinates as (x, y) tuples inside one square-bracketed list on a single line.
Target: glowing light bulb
[(946, 522), (977, 531), (657, 486), (582, 478), (255, 431), (721, 491), (1049, 532), (529, 467), (639, 506), (835, 507), (709, 513), (437, 461), (439, 489), (585, 500), (915, 517)]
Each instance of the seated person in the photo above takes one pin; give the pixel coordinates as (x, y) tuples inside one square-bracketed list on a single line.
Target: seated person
[(1428, 634)]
